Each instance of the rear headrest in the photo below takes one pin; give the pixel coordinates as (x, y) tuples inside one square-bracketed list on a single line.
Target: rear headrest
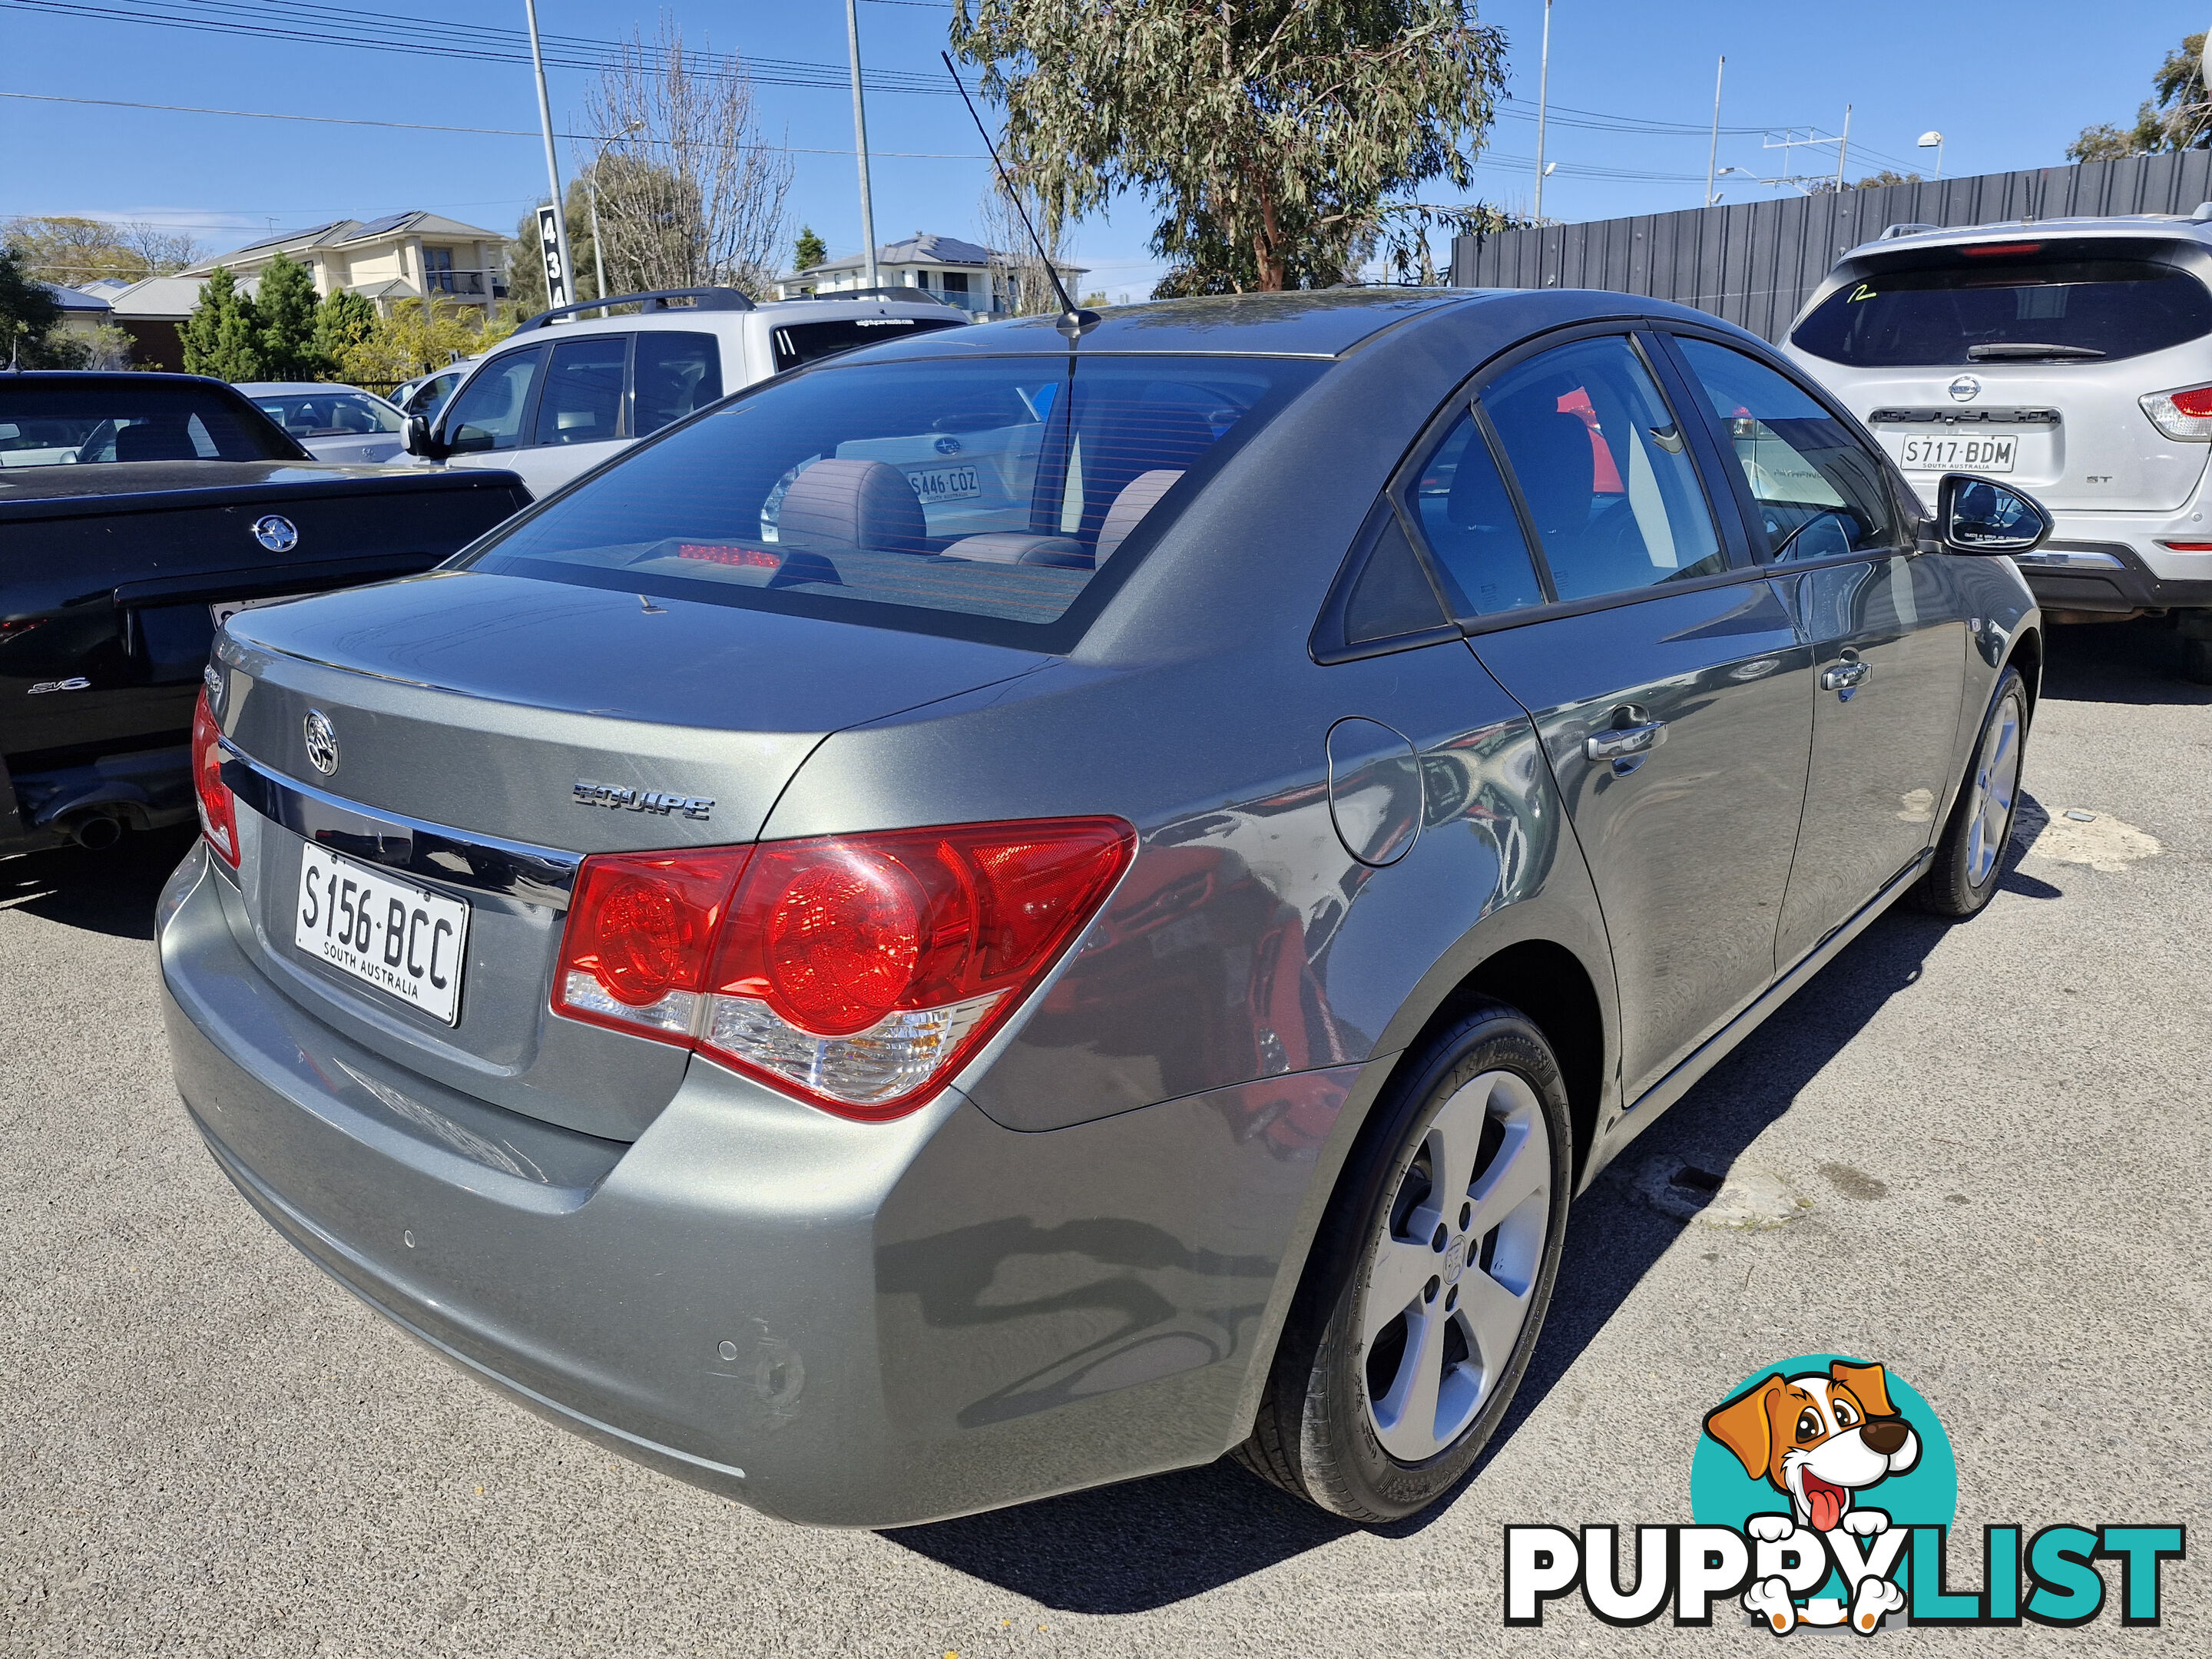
[(841, 505), (154, 440), (1555, 465), (1139, 497)]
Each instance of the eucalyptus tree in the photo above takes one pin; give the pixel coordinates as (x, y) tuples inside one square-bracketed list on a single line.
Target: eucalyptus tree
[(1280, 140)]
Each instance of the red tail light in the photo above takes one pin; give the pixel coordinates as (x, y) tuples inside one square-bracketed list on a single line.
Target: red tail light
[(218, 807), (1997, 250), (2196, 402), (856, 972)]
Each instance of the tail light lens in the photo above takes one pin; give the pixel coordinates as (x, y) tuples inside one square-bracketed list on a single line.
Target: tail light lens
[(2186, 414), (218, 807), (856, 972)]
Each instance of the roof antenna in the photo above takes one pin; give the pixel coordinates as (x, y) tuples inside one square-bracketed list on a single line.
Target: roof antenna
[(1074, 322)]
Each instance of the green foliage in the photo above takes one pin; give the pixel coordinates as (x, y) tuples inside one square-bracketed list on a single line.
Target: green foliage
[(811, 250), (221, 338), (2177, 116), (1276, 138), (342, 322), (416, 338), (285, 314), (30, 321)]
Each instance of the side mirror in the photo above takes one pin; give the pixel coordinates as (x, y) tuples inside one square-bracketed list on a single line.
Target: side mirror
[(416, 439), (1981, 516)]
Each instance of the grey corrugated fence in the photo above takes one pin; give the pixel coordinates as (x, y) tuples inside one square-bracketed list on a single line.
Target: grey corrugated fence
[(1753, 263)]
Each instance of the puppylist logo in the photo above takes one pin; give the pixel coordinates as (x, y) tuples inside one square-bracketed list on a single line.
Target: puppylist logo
[(1821, 1493)]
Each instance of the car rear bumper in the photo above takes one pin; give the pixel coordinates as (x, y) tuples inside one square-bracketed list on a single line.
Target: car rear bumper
[(2122, 562), (839, 1323)]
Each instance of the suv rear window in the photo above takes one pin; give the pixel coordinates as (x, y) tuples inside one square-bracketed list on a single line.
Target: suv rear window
[(982, 498), (1959, 314), (805, 342)]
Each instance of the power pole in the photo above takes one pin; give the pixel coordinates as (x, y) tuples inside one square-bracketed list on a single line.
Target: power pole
[(1842, 148), (552, 163), (860, 141), (1543, 99), (1713, 156)]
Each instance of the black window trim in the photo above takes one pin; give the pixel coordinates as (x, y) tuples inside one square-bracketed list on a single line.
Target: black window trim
[(1911, 523)]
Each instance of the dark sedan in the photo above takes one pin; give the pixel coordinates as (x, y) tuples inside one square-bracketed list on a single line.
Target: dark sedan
[(136, 511), (1016, 909)]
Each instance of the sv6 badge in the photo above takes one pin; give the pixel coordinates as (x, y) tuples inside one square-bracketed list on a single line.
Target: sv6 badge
[(642, 800)]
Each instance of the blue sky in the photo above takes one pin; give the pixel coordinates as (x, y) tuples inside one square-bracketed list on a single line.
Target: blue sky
[(2009, 86)]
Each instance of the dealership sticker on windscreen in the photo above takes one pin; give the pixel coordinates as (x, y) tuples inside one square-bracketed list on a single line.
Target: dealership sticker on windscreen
[(406, 941)]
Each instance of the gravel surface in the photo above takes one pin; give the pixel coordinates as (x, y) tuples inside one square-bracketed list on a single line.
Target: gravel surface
[(1978, 1153)]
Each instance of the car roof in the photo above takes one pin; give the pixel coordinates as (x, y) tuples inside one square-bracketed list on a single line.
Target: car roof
[(266, 388), (2161, 227), (1305, 323), (695, 318)]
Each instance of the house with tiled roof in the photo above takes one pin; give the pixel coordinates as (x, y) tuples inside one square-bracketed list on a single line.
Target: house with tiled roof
[(402, 256), (959, 273)]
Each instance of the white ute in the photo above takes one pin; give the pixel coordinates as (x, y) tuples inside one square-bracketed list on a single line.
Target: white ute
[(567, 391)]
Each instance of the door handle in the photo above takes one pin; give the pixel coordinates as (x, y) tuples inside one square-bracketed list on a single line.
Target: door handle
[(1845, 676), (1625, 740)]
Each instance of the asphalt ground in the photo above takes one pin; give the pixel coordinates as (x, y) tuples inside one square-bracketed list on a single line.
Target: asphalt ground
[(1999, 1133)]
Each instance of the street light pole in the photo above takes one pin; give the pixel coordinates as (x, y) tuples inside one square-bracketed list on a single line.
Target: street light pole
[(861, 140), (1842, 147), (552, 161), (1713, 156), (1543, 99), (1935, 141)]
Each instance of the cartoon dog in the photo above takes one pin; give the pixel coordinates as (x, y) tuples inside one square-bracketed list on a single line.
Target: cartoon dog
[(1819, 1441)]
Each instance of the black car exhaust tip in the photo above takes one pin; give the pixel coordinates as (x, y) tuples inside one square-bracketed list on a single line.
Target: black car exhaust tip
[(95, 832)]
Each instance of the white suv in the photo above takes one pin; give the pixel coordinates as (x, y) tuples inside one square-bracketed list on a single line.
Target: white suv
[(2072, 357), (565, 391)]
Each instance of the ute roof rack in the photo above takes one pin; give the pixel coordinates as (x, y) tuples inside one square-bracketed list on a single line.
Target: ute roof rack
[(702, 299), (1891, 233), (882, 294)]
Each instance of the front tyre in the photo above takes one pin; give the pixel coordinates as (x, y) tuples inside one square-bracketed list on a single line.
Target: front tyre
[(1970, 858), (1428, 1283)]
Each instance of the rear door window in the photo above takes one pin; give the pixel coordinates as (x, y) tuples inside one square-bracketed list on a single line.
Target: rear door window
[(1467, 521), (674, 374), (582, 401), (1604, 471), (2010, 310), (487, 414), (979, 497), (804, 342), (1817, 489)]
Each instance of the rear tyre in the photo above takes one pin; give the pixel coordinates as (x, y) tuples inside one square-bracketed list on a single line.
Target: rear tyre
[(1970, 859), (1428, 1283), (2197, 660)]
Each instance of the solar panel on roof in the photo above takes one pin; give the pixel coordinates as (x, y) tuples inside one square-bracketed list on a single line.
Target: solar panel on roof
[(378, 227)]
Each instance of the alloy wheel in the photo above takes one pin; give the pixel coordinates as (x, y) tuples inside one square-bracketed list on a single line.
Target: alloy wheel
[(1997, 788), (1452, 1269)]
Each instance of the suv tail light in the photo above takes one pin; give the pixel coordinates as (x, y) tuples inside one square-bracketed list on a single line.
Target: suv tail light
[(2186, 414), (856, 972), (218, 808)]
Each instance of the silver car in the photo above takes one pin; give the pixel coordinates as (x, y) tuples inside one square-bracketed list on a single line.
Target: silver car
[(332, 423), (1011, 910), (2073, 355)]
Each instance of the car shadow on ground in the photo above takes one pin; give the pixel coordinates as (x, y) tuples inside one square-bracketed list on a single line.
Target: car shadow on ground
[(2133, 662), (109, 892), (1144, 1544)]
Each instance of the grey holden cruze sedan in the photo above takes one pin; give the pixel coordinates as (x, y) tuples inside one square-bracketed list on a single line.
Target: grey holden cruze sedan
[(1015, 910)]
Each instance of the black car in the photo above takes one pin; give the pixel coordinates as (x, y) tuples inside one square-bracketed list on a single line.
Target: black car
[(136, 511)]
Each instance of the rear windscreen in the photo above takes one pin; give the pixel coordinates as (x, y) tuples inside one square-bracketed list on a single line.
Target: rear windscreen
[(61, 423), (806, 343), (983, 498), (2085, 309)]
